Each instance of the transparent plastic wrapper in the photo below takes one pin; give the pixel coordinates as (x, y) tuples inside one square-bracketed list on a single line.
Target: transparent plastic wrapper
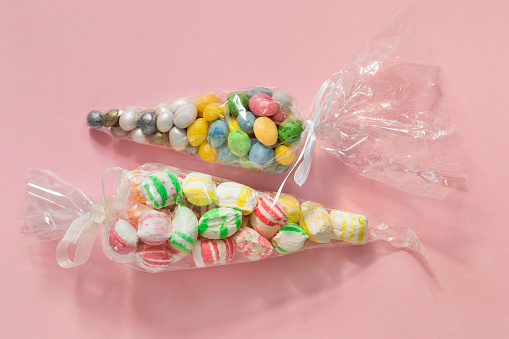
[(162, 218), (384, 115)]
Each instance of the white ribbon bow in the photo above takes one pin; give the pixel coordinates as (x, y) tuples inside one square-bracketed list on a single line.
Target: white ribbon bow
[(83, 230)]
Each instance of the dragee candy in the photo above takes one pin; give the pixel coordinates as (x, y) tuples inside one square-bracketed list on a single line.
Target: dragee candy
[(246, 121), (237, 103), (279, 117), (111, 118), (158, 138), (154, 227), (291, 206), (225, 155), (315, 221), (161, 189), (129, 118), (207, 152), (267, 219), (209, 252), (203, 100), (199, 189), (94, 119), (263, 105), (232, 123), (147, 122), (290, 130), (284, 155), (265, 131), (157, 258), (185, 115), (220, 223), (232, 194), (138, 136), (251, 244), (214, 111), (239, 142), (185, 229), (118, 132), (197, 132), (290, 238), (178, 138), (176, 104), (283, 98), (161, 108), (349, 227), (165, 121), (260, 154), (218, 133), (123, 238)]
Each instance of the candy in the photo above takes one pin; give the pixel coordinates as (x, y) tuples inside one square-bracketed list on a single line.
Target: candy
[(214, 111), (284, 155), (263, 105), (207, 152), (197, 132), (147, 122), (162, 108), (279, 117), (232, 194), (291, 206), (158, 138), (246, 121), (154, 227), (315, 221), (290, 130), (203, 100), (220, 223), (161, 189), (283, 98), (267, 220), (178, 138), (210, 252), (349, 227), (135, 212), (251, 244), (164, 121), (94, 119), (199, 189), (265, 131), (258, 90), (232, 123), (275, 168), (185, 229), (184, 116), (218, 133), (290, 238), (239, 142), (123, 238), (129, 119), (111, 118), (118, 132), (157, 258), (260, 155), (138, 136), (236, 103), (225, 155), (191, 150), (176, 104)]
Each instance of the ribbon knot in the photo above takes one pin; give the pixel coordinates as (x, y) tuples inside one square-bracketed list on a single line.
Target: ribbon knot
[(97, 213)]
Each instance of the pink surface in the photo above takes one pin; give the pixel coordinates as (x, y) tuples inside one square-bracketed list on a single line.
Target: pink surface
[(61, 59)]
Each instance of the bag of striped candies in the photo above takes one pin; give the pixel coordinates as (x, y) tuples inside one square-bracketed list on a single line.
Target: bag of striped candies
[(383, 114), (161, 218)]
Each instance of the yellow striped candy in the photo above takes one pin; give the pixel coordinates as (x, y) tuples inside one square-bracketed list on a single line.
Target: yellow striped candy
[(349, 227), (199, 189), (291, 206)]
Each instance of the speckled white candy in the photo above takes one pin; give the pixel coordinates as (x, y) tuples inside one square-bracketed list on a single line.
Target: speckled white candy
[(185, 116), (129, 118), (289, 239), (138, 136), (315, 221), (241, 197), (154, 228), (283, 98), (178, 138), (251, 244), (165, 121), (176, 104), (185, 228)]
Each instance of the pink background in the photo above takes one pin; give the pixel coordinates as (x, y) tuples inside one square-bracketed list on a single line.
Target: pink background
[(60, 59)]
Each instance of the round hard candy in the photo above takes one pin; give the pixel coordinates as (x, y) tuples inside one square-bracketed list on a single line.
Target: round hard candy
[(234, 195), (237, 102), (225, 155), (94, 119), (147, 122), (123, 239), (251, 244), (279, 117), (263, 105), (348, 227), (265, 131), (157, 258), (260, 154), (178, 138), (246, 121), (199, 189), (118, 132), (220, 223), (291, 206), (129, 118), (158, 138), (267, 219), (176, 104), (239, 142), (283, 98), (290, 238), (165, 121), (185, 229), (315, 221), (185, 115), (259, 89), (161, 189), (214, 111), (290, 131), (232, 123), (207, 152), (218, 133), (211, 252), (203, 100), (284, 155), (111, 118), (197, 132), (154, 227), (276, 168), (138, 136)]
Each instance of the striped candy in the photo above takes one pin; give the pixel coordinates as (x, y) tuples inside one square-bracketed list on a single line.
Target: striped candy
[(290, 238), (291, 206), (251, 244), (123, 239), (220, 223), (154, 227), (199, 189), (349, 227), (232, 194), (210, 252), (185, 229), (157, 258), (135, 212), (315, 221), (161, 189), (267, 220)]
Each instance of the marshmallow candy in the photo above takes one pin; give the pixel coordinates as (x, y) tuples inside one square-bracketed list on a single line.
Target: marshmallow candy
[(199, 189), (161, 189), (315, 221), (349, 227), (251, 244), (220, 223), (123, 238), (291, 206), (154, 227), (265, 219), (290, 238), (210, 252), (185, 229), (232, 194), (157, 258)]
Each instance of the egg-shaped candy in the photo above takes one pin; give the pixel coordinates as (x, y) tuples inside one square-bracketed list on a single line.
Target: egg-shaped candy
[(232, 123), (225, 155), (246, 121), (138, 136), (236, 103), (203, 100), (260, 154), (94, 119), (279, 117), (147, 122), (176, 104), (118, 132), (129, 119), (263, 105), (214, 111), (207, 152), (178, 138), (290, 130), (165, 121), (197, 132), (239, 142), (111, 118), (265, 131), (218, 133), (185, 115), (284, 155), (158, 138)]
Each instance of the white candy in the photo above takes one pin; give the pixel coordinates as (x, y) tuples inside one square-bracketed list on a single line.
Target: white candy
[(290, 238), (232, 194), (178, 138), (154, 228), (315, 220), (185, 116), (129, 118), (185, 229), (162, 107), (199, 189), (175, 105), (349, 227), (165, 121), (283, 98), (138, 136)]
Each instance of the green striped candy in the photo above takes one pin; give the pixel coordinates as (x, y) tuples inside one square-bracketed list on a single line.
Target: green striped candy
[(162, 189), (185, 229), (220, 223), (290, 238)]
